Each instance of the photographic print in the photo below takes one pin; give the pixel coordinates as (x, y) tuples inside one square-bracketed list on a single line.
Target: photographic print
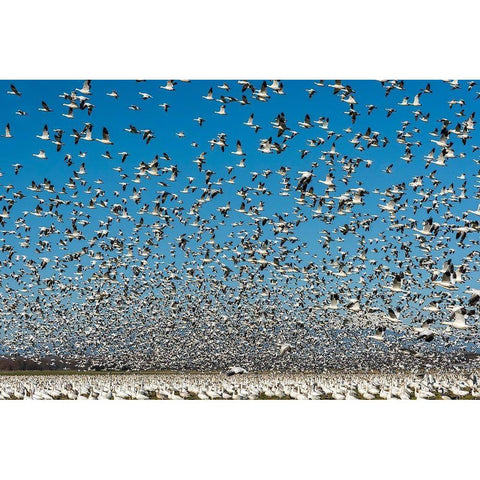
[(239, 239)]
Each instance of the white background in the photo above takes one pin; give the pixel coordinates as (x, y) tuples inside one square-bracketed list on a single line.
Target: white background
[(227, 40)]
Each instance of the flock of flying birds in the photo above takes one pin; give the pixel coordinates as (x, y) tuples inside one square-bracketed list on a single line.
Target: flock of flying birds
[(329, 227)]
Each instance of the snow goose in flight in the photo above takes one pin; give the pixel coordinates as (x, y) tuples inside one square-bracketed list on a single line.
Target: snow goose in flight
[(45, 135), (379, 334), (209, 95), (239, 150), (328, 180), (262, 94), (427, 89), (446, 281), (337, 86), (105, 137), (87, 133), (353, 305), (432, 307), (249, 122), (333, 305), (113, 94), (241, 163), (8, 133), (169, 86), (348, 99), (475, 212), (416, 100), (332, 152), (277, 87), (304, 179), (391, 206), (306, 123), (41, 154), (165, 106), (394, 315), (397, 285), (425, 332), (459, 313), (85, 90), (45, 107), (244, 100), (429, 227), (4, 215), (443, 142), (246, 85), (14, 91), (221, 111), (266, 146), (69, 114)]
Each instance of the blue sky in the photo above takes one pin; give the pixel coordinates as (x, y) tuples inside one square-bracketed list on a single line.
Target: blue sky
[(186, 103)]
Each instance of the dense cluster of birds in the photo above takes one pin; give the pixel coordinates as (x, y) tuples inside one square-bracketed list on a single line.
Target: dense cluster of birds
[(263, 386), (336, 238)]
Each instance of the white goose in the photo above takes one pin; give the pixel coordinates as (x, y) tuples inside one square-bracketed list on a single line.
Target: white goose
[(41, 154), (85, 90), (379, 334), (239, 150), (45, 108), (105, 137), (45, 135), (209, 95), (169, 86), (333, 305), (396, 285), (475, 212), (69, 114), (8, 133), (416, 100), (14, 91), (459, 323), (262, 94), (306, 123), (446, 281), (394, 315), (221, 111), (425, 332), (337, 86)]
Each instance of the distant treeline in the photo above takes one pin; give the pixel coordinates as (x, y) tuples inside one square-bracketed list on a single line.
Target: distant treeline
[(52, 363), (46, 363)]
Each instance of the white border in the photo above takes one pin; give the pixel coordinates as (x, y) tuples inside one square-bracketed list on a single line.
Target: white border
[(368, 39), (247, 39)]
